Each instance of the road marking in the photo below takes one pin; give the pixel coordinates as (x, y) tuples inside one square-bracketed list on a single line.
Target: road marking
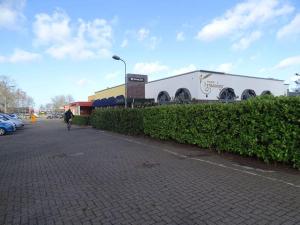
[(252, 168), (209, 162)]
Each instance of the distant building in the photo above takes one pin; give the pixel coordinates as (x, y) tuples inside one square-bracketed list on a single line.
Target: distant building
[(296, 93), (80, 108)]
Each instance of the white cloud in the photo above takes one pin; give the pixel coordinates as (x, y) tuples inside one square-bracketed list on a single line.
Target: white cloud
[(185, 69), (291, 29), (149, 68), (255, 57), (156, 67), (180, 36), (82, 82), (153, 42), (50, 29), (20, 56), (142, 34), (225, 67), (264, 70), (11, 14), (112, 76), (80, 40), (242, 17), (143, 37), (246, 41), (2, 59), (124, 43), (288, 62)]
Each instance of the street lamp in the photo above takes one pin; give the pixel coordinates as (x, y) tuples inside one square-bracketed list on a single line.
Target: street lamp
[(115, 57)]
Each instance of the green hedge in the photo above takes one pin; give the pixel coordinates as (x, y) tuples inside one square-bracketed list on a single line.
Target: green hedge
[(264, 127), (81, 120), (126, 121)]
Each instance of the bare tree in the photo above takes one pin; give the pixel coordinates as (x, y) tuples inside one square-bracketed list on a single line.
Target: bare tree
[(12, 97), (297, 89), (69, 99), (58, 102), (49, 107)]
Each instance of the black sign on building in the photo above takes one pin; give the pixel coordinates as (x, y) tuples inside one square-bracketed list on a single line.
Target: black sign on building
[(136, 85)]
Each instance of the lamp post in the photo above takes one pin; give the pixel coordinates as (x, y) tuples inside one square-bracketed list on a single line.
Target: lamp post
[(115, 57)]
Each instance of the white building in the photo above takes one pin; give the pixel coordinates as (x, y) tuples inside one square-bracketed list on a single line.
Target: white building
[(210, 85)]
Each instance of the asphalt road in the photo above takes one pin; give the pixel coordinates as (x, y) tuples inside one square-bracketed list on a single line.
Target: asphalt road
[(51, 176)]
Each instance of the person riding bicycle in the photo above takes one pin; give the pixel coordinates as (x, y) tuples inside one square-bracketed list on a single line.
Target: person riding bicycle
[(68, 116)]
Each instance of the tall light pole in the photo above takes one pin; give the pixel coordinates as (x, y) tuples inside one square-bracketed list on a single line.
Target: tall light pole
[(115, 57)]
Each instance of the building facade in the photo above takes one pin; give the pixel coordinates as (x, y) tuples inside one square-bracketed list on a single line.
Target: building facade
[(210, 86), (79, 108), (108, 92), (135, 89)]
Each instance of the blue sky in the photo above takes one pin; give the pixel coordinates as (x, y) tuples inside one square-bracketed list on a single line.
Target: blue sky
[(64, 47)]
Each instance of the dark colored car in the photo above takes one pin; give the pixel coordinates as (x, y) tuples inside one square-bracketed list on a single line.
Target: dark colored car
[(49, 116), (6, 128)]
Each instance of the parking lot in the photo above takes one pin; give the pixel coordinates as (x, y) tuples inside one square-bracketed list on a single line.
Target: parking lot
[(51, 176)]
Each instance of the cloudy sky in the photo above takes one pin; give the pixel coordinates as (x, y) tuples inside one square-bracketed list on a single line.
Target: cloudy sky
[(55, 47)]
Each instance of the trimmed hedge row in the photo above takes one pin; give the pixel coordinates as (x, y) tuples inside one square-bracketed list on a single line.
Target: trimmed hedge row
[(125, 121), (81, 120), (265, 127)]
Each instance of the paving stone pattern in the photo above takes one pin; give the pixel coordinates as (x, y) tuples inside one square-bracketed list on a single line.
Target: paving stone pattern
[(51, 176)]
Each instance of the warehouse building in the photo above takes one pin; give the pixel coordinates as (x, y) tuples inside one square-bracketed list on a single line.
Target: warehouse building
[(115, 96), (212, 86), (199, 85)]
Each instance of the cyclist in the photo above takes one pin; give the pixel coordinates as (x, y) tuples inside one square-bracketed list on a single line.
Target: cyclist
[(68, 118)]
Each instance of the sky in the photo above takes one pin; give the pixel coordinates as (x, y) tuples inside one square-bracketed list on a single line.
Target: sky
[(62, 47)]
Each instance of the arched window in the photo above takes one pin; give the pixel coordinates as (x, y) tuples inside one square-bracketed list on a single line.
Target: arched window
[(248, 93), (267, 92), (227, 94), (120, 100), (163, 97), (183, 95)]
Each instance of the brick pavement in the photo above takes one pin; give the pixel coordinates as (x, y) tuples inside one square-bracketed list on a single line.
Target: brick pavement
[(51, 176)]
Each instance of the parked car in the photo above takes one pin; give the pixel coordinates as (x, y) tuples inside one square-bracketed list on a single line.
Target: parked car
[(15, 116), (6, 128), (10, 122), (19, 123), (50, 116)]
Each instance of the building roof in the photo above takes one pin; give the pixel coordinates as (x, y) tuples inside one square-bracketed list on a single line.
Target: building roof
[(109, 88), (294, 93), (87, 104), (214, 72)]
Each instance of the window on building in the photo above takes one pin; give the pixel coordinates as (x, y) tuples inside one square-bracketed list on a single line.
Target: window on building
[(163, 97), (248, 93), (183, 95), (227, 94)]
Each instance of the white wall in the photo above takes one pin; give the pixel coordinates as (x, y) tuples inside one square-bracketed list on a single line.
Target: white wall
[(207, 86), (171, 85)]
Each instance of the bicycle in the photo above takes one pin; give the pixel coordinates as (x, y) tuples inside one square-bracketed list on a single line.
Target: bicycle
[(69, 124)]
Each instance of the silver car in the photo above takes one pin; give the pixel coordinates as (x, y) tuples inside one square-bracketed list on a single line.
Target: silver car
[(17, 122)]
